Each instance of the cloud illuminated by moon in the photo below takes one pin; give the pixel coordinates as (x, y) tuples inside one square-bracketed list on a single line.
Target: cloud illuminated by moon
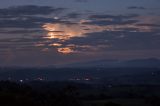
[(63, 32), (65, 50)]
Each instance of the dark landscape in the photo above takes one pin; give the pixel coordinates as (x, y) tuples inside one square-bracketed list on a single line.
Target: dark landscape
[(79, 52), (85, 86)]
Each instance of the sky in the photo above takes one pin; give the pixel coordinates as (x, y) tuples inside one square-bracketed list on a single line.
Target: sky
[(60, 32)]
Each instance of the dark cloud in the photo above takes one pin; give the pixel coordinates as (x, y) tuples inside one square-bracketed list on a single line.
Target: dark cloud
[(29, 22), (81, 1), (21, 31), (125, 40), (27, 16), (150, 25), (137, 7), (24, 22), (128, 29), (113, 22), (13, 40), (20, 43), (106, 16), (73, 15), (29, 10), (103, 20), (118, 40)]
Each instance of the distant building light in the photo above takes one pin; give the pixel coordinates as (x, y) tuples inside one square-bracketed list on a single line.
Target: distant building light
[(75, 79), (87, 79), (40, 79), (21, 81)]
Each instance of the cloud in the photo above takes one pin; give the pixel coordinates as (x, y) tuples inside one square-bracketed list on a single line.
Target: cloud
[(73, 15), (20, 43), (71, 34), (111, 22), (102, 33), (106, 16), (19, 23), (21, 31), (27, 16), (103, 20), (136, 7), (29, 10), (149, 25), (81, 1), (25, 22), (117, 40)]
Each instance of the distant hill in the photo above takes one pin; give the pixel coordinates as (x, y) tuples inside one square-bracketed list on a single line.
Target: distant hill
[(138, 71), (146, 63)]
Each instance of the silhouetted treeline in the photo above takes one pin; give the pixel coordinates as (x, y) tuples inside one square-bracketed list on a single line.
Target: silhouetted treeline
[(75, 94), (13, 94)]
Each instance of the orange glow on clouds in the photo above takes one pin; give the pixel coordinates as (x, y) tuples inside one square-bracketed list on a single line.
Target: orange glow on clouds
[(55, 44), (64, 32), (65, 50)]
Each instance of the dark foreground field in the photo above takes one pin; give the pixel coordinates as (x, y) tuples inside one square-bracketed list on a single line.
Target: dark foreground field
[(77, 94)]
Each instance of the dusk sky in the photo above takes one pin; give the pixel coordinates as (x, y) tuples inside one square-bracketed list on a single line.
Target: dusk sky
[(58, 32)]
